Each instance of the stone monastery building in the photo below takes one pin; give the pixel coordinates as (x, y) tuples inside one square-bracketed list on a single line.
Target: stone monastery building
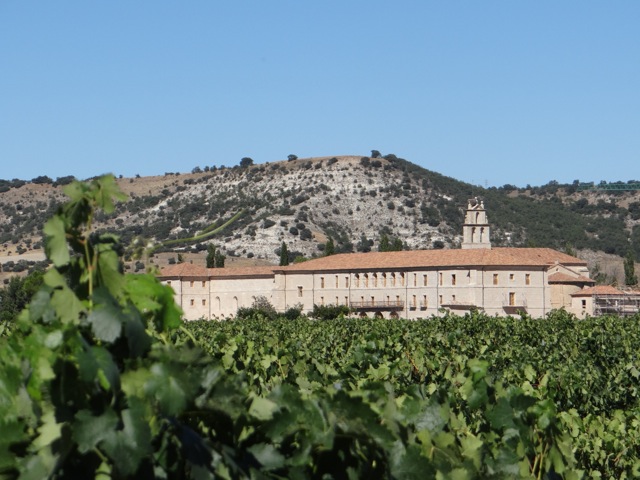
[(406, 284)]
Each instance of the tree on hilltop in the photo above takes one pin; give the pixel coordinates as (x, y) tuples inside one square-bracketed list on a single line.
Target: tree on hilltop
[(246, 162)]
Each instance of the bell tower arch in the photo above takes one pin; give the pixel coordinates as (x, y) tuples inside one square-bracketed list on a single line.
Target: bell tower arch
[(475, 230)]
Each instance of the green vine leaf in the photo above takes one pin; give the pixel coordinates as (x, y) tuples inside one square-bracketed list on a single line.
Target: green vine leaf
[(106, 318), (56, 242), (89, 430)]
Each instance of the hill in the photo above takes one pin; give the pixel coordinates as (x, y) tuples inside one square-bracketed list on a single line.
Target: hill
[(302, 202)]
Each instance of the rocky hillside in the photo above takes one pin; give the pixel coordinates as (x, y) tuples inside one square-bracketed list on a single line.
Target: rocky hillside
[(354, 200)]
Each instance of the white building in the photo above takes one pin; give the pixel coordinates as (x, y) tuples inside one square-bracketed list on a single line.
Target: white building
[(407, 284)]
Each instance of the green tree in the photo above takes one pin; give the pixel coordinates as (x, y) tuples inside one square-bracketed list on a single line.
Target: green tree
[(397, 245), (569, 250), (364, 244), (330, 248), (17, 294), (246, 162), (215, 258), (211, 256), (389, 244), (284, 255), (383, 244), (220, 258), (630, 277)]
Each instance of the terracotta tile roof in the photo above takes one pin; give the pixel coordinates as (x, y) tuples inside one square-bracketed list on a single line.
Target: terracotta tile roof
[(532, 257), (564, 278), (230, 272), (507, 257), (598, 290), (191, 270), (183, 270)]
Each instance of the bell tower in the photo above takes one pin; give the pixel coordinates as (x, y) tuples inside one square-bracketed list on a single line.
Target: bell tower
[(475, 231)]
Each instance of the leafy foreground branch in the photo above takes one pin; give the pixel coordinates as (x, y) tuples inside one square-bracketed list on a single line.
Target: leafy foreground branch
[(93, 383)]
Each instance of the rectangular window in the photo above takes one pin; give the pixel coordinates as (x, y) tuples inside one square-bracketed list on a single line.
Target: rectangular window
[(321, 282), (373, 301), (346, 282), (366, 280), (397, 300), (204, 284), (192, 302), (321, 300), (375, 279), (512, 299), (527, 279), (453, 279), (336, 282), (440, 278), (402, 279), (204, 302), (299, 291), (414, 301), (337, 301), (388, 300), (191, 283), (357, 280), (424, 301), (440, 299), (393, 279), (495, 279), (453, 299), (346, 300), (415, 279), (169, 282), (584, 304), (511, 276), (424, 280), (384, 279)]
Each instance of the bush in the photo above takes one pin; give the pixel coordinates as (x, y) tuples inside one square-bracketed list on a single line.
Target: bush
[(293, 313), (42, 179), (260, 306), (329, 312)]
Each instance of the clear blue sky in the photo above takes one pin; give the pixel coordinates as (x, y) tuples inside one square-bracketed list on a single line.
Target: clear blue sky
[(519, 92)]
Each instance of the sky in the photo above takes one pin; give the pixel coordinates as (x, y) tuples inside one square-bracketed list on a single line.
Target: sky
[(491, 93)]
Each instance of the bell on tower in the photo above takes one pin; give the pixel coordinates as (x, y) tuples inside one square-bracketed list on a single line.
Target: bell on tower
[(475, 231)]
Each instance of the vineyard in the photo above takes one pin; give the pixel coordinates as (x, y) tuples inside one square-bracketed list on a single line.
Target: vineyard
[(100, 378), (485, 387)]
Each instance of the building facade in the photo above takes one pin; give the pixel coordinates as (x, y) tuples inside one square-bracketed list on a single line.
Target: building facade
[(407, 284)]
